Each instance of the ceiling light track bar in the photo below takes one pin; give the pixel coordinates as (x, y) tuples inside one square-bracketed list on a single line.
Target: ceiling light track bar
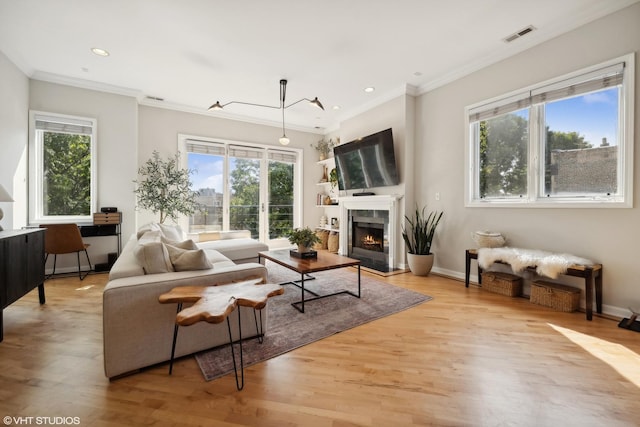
[(283, 96)]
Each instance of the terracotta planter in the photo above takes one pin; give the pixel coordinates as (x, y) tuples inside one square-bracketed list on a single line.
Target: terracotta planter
[(420, 265)]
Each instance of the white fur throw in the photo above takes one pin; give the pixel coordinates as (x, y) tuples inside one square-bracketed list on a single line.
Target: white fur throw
[(546, 263)]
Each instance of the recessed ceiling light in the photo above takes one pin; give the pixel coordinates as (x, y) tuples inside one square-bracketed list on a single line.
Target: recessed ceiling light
[(369, 89), (100, 52), (336, 107)]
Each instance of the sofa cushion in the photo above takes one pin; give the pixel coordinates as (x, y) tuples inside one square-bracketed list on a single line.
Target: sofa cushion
[(153, 257), (236, 249)]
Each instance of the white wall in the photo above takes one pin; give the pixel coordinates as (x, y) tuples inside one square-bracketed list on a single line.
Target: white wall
[(159, 129), (117, 137), (14, 114), (609, 236)]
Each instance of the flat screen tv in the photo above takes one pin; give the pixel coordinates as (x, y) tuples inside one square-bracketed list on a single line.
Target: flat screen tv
[(367, 162)]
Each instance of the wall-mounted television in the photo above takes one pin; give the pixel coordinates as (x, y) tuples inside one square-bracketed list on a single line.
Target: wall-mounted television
[(366, 162)]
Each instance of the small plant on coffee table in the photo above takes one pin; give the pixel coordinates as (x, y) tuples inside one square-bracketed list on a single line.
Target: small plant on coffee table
[(305, 238)]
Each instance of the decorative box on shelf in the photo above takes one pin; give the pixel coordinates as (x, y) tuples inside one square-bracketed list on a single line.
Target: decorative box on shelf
[(303, 255), (101, 218)]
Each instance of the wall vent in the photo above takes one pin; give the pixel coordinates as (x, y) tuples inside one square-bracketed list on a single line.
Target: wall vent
[(519, 34), (154, 98)]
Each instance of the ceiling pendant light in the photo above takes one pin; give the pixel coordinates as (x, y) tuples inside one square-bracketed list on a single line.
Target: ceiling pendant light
[(283, 139), (283, 95)]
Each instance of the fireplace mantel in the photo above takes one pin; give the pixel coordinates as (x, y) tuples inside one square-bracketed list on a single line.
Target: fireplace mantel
[(388, 203)]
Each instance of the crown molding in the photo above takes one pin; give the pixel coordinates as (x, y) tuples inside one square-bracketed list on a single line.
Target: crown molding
[(405, 89), (86, 84)]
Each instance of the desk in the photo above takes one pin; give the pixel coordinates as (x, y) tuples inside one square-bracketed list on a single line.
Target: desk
[(104, 224), (592, 276)]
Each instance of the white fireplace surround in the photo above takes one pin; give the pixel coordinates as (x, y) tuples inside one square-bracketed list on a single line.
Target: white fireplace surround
[(388, 203)]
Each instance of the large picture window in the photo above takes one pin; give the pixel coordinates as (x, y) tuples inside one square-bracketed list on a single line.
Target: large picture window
[(62, 158), (565, 142)]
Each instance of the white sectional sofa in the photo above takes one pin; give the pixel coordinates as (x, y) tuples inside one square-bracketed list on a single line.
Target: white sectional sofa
[(137, 329)]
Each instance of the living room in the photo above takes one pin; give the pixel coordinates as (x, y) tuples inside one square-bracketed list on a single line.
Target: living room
[(429, 130)]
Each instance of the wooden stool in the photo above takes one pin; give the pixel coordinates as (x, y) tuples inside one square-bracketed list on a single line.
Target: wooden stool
[(213, 304)]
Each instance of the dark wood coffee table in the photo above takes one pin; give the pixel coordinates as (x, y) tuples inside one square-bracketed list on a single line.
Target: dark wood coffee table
[(304, 266)]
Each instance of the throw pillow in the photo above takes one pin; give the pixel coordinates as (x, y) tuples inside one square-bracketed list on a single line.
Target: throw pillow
[(188, 260), (146, 228), (150, 236), (186, 244), (172, 232), (153, 257)]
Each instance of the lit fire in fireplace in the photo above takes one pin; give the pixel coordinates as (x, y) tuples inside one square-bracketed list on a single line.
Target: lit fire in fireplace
[(370, 240)]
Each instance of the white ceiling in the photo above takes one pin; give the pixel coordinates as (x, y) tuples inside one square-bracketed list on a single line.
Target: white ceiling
[(192, 53)]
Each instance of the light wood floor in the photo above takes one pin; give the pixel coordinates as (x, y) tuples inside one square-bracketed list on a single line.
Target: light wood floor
[(466, 358)]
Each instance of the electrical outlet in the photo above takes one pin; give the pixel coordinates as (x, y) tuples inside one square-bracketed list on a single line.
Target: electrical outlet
[(438, 196)]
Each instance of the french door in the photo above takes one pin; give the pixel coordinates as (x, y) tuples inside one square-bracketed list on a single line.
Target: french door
[(244, 187)]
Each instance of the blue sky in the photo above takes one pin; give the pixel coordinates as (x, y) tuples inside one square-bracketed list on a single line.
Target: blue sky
[(593, 116), (209, 171)]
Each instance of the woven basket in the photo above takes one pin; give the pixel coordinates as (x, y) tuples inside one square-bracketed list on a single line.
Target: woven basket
[(333, 242), (502, 283), (324, 238), (487, 239), (553, 295)]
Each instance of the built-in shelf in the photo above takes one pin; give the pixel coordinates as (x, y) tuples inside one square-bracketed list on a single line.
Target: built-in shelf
[(326, 162), (328, 228)]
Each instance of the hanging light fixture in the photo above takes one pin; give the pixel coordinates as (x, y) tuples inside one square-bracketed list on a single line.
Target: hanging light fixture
[(283, 95)]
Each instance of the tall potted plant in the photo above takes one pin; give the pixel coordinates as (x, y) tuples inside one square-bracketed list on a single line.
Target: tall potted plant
[(164, 187), (418, 236)]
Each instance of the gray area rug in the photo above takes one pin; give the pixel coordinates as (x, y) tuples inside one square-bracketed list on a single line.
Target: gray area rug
[(289, 329)]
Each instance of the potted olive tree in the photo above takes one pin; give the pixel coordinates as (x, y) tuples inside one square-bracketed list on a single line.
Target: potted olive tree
[(305, 238), (164, 188), (418, 236)]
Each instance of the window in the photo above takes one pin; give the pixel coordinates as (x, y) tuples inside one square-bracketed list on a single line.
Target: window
[(244, 187), (62, 159), (566, 142)]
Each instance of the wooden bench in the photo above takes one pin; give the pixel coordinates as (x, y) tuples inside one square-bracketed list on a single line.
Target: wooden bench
[(592, 275)]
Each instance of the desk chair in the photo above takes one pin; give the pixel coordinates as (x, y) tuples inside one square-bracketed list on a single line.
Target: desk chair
[(64, 239)]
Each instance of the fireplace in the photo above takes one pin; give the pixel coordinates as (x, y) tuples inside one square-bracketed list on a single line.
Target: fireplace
[(368, 238), (370, 231)]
